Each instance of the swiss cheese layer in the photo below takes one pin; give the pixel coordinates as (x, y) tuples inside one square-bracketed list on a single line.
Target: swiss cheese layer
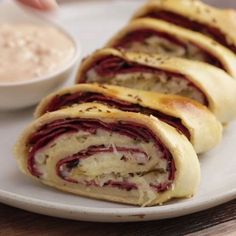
[(146, 170), (161, 82)]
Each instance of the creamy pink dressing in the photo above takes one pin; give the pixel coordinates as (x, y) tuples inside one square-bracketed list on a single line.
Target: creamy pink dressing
[(29, 51)]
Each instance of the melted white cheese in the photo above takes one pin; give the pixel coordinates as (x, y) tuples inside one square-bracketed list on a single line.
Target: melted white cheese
[(137, 168), (162, 83)]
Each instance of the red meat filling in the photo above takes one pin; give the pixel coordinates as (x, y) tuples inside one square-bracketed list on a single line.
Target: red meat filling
[(53, 130), (69, 99)]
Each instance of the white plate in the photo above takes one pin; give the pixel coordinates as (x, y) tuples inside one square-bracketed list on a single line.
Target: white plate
[(94, 24)]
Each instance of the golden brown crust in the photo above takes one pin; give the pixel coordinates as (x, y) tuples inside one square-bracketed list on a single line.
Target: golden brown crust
[(194, 116), (186, 179), (226, 57), (222, 19), (204, 76)]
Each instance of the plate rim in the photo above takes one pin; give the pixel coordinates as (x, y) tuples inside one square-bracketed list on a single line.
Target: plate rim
[(115, 214)]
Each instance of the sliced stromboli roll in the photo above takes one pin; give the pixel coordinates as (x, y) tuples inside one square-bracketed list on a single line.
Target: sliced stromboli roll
[(206, 84), (157, 36), (192, 119), (217, 23), (94, 151)]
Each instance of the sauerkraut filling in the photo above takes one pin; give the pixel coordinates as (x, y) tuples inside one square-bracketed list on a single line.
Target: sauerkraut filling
[(115, 71), (154, 42), (69, 99), (185, 22), (93, 153)]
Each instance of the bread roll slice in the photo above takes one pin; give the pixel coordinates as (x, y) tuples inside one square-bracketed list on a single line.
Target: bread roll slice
[(192, 119), (157, 36), (206, 84), (103, 153)]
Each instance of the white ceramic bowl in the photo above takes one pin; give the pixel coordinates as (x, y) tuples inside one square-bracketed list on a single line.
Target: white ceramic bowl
[(27, 93)]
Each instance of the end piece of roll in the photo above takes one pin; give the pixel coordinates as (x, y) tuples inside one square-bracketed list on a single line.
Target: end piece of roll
[(217, 23)]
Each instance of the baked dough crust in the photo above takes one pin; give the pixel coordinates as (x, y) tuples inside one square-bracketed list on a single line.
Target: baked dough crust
[(187, 174), (217, 85), (205, 130), (196, 11), (223, 54)]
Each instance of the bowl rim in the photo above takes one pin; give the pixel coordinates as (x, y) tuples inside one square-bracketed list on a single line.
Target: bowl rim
[(73, 61)]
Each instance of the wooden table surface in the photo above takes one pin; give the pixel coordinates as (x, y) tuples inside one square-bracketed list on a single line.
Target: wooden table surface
[(219, 221)]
